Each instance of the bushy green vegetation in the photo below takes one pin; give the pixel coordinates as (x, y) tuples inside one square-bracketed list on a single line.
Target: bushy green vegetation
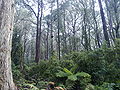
[(86, 70)]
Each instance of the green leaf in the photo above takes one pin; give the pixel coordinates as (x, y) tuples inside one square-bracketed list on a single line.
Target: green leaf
[(72, 77), (73, 69), (67, 71), (83, 74), (31, 86), (61, 74)]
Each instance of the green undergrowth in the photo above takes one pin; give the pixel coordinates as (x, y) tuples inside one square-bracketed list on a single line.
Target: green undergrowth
[(97, 69)]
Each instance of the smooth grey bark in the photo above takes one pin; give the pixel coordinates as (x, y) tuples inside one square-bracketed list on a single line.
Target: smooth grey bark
[(6, 27)]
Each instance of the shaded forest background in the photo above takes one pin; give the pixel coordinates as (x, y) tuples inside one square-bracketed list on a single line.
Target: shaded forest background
[(74, 43)]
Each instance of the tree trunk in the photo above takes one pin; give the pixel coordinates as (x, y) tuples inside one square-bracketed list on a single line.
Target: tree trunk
[(37, 57), (97, 38), (58, 26), (47, 42), (110, 22), (51, 32), (104, 24), (64, 33), (117, 25), (6, 23), (38, 35), (74, 38), (85, 35)]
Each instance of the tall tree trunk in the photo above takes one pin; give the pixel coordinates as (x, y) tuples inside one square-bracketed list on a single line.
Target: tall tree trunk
[(37, 57), (104, 24), (85, 35), (110, 22), (74, 38), (40, 29), (58, 26), (117, 26), (47, 41), (97, 40), (38, 35), (6, 23), (64, 33), (51, 32)]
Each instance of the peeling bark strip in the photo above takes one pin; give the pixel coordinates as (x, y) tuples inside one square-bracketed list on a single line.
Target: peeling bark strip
[(6, 23)]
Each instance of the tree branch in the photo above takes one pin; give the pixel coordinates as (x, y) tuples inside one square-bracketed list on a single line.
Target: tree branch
[(30, 8)]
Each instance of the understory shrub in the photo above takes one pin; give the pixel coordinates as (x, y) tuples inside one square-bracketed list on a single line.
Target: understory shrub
[(97, 69)]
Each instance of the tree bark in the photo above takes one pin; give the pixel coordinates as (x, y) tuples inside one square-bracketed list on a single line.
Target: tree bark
[(6, 23), (58, 18), (97, 40), (104, 24), (85, 35), (117, 26), (47, 42), (51, 31), (64, 33), (110, 22), (38, 35)]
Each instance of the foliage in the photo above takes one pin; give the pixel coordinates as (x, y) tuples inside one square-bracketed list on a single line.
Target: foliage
[(28, 87), (86, 70), (17, 48), (67, 64), (42, 84), (17, 75), (90, 87), (79, 78), (100, 64), (108, 86)]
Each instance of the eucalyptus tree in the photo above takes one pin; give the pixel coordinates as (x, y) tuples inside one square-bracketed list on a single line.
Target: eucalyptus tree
[(82, 9), (58, 27), (52, 3), (6, 27), (22, 33), (115, 6), (71, 20), (96, 27), (106, 37), (64, 47), (110, 22), (32, 6), (85, 25), (112, 9), (50, 21), (74, 17)]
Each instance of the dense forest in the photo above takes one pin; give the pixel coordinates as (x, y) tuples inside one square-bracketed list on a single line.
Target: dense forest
[(60, 45)]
